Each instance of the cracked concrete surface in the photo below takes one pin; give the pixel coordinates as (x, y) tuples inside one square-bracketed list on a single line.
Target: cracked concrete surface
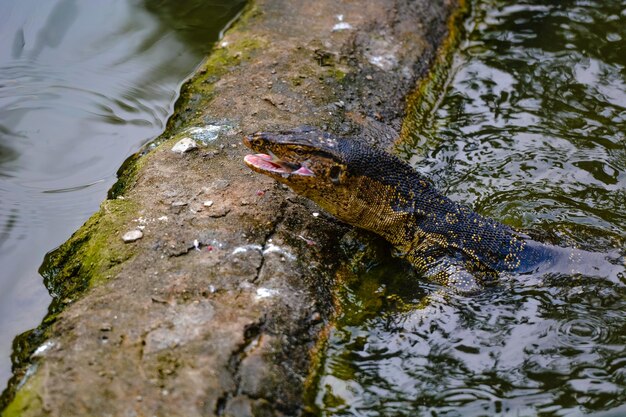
[(217, 309)]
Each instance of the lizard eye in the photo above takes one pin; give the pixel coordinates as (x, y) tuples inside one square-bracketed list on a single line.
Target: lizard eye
[(335, 174), (299, 151)]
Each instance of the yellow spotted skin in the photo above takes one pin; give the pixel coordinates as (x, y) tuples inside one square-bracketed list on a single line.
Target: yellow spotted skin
[(374, 190)]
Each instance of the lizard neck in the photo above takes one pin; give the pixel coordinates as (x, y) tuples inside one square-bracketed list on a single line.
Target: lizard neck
[(492, 244), (426, 217)]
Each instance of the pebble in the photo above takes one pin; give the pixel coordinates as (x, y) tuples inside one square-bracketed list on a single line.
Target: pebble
[(132, 236), (208, 203), (184, 145), (219, 212), (170, 193), (220, 184)]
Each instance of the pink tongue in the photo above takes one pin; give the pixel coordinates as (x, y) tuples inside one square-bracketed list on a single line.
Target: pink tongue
[(303, 171), (263, 161)]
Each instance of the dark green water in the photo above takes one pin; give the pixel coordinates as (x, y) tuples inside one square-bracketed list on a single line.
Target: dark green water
[(83, 85), (530, 130)]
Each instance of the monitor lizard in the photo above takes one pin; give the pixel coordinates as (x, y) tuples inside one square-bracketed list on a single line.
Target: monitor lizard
[(369, 188)]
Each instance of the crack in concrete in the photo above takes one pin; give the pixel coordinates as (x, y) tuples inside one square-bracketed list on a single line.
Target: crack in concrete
[(252, 333), (268, 237)]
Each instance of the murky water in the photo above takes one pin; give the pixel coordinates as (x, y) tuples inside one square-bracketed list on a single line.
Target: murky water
[(82, 86), (532, 131)]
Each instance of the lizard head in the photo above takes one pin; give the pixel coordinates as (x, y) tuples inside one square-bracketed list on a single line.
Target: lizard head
[(313, 163), (356, 183)]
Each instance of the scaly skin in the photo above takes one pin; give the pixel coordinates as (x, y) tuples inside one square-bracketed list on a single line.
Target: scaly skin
[(373, 190)]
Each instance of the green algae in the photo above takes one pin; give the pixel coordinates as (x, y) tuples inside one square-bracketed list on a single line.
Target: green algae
[(198, 91), (336, 74), (88, 257), (421, 103), (126, 176), (27, 400)]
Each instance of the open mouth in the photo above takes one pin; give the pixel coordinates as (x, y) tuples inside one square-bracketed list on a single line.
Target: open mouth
[(270, 163)]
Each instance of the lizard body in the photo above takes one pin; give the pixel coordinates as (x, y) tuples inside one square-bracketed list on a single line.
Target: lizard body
[(374, 190)]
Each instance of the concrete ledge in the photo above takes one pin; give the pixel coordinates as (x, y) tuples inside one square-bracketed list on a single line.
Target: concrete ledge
[(219, 307)]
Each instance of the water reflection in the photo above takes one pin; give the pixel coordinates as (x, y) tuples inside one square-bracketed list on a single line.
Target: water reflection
[(532, 131), (82, 86), (555, 347), (6, 154)]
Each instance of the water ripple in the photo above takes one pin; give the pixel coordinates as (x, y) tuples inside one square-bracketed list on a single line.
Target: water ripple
[(532, 131), (583, 333)]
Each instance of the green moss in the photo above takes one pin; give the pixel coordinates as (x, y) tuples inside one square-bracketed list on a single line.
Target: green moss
[(89, 256), (335, 73), (332, 401), (126, 176), (198, 91), (27, 401), (423, 100)]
